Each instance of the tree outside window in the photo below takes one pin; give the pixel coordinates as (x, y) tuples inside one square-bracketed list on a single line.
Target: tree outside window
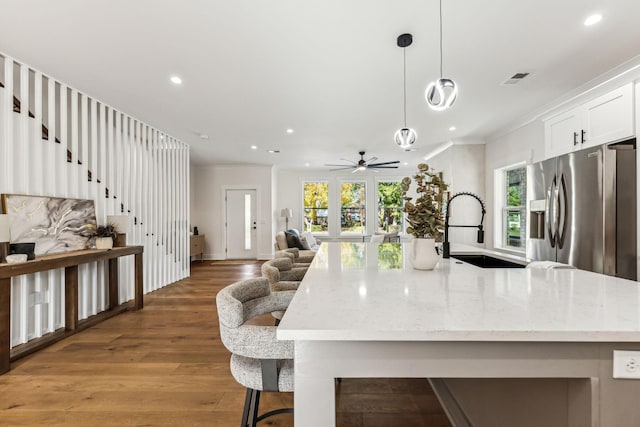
[(389, 207), (353, 205), (316, 206)]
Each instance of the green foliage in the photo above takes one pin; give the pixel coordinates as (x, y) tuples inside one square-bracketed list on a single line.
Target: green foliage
[(390, 206), (513, 196), (425, 215), (108, 230)]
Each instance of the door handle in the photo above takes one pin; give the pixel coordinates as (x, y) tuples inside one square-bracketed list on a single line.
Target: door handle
[(550, 219), (583, 133), (575, 138), (562, 192)]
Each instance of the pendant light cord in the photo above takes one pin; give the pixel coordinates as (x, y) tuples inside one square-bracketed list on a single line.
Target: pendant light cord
[(404, 83), (441, 39)]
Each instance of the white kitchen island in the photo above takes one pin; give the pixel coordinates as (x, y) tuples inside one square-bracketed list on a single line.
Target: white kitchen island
[(362, 311)]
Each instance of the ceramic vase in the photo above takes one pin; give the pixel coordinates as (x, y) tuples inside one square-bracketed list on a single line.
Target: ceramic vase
[(423, 255), (104, 243)]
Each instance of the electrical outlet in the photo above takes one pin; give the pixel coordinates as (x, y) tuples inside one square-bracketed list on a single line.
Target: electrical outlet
[(626, 364)]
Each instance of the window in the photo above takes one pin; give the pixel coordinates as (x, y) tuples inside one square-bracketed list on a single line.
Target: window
[(353, 203), (316, 206), (389, 207), (514, 210)]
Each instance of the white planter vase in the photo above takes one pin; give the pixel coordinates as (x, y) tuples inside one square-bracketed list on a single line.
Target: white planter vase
[(423, 255), (104, 243)]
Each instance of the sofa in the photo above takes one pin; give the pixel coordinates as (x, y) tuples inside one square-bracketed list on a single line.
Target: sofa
[(307, 243)]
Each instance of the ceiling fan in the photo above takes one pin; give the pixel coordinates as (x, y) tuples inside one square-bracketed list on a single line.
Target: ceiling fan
[(363, 164)]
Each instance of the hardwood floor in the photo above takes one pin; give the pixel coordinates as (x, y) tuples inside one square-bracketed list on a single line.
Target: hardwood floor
[(165, 366)]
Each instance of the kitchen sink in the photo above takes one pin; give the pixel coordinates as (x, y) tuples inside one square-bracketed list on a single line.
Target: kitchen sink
[(486, 261)]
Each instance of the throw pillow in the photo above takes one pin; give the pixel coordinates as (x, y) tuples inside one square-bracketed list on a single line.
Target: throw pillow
[(305, 243), (294, 232), (310, 239), (293, 241)]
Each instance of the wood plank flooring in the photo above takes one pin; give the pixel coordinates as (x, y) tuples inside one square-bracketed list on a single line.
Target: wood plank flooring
[(165, 366)]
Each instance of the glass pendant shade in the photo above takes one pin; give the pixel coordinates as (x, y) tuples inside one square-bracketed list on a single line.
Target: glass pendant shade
[(405, 137), (441, 94)]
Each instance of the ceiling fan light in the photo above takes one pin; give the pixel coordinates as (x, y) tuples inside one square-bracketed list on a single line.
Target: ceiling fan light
[(441, 94), (405, 137)]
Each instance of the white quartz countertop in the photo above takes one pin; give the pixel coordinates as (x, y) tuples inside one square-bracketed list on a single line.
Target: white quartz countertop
[(370, 292)]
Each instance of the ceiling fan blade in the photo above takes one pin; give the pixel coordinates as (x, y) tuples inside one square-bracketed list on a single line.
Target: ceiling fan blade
[(330, 164), (355, 170), (395, 162), (383, 167), (342, 168), (373, 159), (350, 161)]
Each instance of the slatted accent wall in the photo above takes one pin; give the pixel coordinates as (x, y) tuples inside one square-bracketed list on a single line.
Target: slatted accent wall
[(60, 142)]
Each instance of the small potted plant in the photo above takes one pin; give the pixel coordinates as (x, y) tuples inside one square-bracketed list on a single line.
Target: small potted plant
[(104, 236), (425, 215)]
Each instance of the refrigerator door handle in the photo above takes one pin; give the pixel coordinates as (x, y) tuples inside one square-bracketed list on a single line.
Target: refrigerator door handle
[(563, 212), (551, 199)]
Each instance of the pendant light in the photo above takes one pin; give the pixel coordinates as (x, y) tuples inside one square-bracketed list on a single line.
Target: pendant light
[(442, 93), (405, 137)]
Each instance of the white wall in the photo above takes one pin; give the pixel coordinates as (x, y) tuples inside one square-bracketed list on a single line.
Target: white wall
[(209, 183)]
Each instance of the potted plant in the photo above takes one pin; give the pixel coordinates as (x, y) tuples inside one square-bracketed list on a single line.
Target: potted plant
[(104, 236), (425, 215)]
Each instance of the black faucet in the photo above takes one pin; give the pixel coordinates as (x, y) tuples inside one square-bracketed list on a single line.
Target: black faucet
[(445, 244)]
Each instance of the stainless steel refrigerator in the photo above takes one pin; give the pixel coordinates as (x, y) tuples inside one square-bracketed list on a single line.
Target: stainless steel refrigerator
[(582, 209)]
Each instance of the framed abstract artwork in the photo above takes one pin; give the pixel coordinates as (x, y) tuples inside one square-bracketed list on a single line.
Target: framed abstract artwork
[(54, 224)]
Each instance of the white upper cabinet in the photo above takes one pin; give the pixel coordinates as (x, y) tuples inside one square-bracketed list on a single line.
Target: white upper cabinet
[(607, 118)]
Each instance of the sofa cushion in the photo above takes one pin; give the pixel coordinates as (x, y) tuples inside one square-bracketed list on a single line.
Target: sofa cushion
[(281, 240)]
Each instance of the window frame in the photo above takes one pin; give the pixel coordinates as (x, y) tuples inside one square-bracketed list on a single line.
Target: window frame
[(377, 181), (339, 207), (501, 216), (327, 209)]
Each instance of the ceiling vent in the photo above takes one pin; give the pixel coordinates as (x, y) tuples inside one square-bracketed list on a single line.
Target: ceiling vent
[(516, 78)]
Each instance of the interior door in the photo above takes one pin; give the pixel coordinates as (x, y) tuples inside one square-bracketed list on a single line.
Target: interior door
[(241, 224)]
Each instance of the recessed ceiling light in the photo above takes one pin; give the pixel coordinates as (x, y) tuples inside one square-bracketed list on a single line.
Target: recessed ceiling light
[(307, 164), (452, 128), (593, 19), (254, 147), (409, 149), (274, 151), (204, 136), (289, 130), (406, 163), (176, 80)]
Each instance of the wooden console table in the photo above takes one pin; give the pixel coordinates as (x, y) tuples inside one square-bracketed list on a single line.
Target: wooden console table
[(70, 262)]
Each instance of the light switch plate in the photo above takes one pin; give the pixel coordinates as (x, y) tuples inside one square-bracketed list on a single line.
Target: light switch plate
[(626, 364)]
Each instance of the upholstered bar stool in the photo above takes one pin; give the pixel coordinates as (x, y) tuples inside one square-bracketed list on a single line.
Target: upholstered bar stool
[(286, 270), (287, 279), (286, 254), (259, 361), (300, 256)]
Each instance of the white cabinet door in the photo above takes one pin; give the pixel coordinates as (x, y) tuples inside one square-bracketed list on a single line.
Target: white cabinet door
[(609, 117), (562, 133)]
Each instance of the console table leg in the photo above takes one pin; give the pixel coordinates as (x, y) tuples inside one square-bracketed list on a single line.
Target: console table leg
[(71, 298), (139, 282), (5, 324), (114, 297)]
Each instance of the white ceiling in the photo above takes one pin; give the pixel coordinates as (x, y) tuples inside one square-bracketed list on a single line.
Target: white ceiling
[(330, 69)]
